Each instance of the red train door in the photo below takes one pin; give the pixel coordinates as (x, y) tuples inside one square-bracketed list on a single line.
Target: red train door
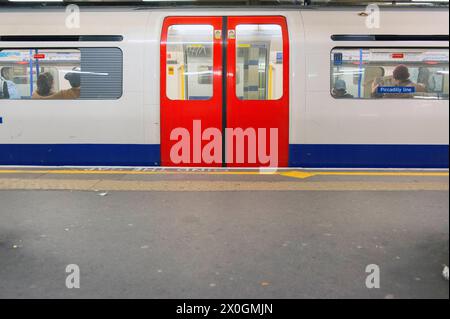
[(238, 120), (191, 91), (258, 90)]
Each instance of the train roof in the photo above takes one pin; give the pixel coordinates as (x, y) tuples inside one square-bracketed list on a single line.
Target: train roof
[(228, 3)]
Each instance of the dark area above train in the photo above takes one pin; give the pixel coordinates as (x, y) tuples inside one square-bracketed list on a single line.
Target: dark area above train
[(221, 3)]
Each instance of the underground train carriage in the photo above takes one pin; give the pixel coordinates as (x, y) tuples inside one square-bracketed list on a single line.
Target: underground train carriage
[(225, 91)]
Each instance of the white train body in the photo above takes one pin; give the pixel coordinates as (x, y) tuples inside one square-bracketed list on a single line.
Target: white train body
[(323, 131)]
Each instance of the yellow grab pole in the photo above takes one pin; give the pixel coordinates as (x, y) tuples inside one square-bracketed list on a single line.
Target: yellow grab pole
[(270, 81)]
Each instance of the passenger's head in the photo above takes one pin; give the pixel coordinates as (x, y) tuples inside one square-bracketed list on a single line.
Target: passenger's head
[(45, 84), (6, 72), (401, 73), (73, 78), (339, 88)]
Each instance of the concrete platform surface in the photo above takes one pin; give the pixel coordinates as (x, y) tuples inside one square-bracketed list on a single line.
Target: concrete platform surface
[(223, 234)]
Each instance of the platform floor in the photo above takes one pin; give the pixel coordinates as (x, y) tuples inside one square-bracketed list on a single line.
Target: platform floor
[(162, 233)]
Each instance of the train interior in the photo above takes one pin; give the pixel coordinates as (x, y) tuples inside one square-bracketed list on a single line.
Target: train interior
[(363, 69), (23, 67), (259, 69)]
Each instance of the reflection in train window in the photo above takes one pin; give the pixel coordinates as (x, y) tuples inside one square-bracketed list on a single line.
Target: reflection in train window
[(189, 62), (40, 74), (205, 75), (381, 73), (61, 74), (259, 63)]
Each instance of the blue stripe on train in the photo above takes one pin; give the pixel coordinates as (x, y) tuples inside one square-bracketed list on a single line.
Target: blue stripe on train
[(80, 155), (305, 155), (368, 156)]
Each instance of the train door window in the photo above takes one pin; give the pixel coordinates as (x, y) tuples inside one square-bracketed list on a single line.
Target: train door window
[(259, 62), (381, 73), (189, 62)]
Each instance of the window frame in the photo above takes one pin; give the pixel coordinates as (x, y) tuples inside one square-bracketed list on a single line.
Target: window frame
[(213, 39), (71, 48), (283, 46), (377, 47)]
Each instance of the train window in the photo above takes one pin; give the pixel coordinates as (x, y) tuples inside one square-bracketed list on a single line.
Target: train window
[(259, 63), (40, 74), (189, 62), (66, 74), (383, 73)]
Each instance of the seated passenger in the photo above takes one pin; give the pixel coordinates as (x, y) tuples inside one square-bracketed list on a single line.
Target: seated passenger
[(340, 90), (401, 79), (74, 92), (44, 86), (8, 89)]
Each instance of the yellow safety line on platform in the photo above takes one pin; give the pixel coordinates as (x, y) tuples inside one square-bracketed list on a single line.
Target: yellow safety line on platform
[(293, 174), (302, 175), (125, 172)]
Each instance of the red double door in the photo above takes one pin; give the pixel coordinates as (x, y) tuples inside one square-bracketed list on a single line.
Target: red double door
[(225, 91)]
